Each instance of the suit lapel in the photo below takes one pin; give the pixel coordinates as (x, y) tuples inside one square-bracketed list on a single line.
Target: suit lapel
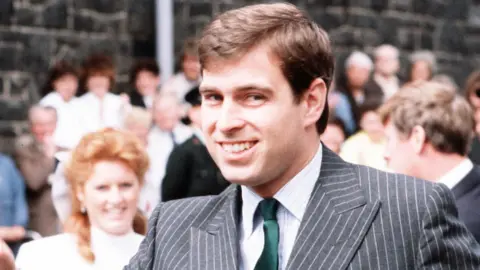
[(214, 243), (336, 219)]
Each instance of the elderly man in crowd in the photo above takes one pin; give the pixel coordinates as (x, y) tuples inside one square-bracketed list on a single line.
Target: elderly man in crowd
[(35, 157)]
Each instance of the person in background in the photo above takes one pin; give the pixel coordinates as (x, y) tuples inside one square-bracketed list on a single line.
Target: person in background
[(138, 121), (472, 93), (166, 133), (35, 157), (429, 129), (387, 64), (446, 80), (352, 88), (13, 204), (98, 107), (423, 66), (191, 170), (334, 135), (59, 93), (367, 146), (105, 228), (190, 75), (145, 78)]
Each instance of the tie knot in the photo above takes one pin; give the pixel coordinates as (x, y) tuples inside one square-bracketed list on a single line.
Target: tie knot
[(268, 209)]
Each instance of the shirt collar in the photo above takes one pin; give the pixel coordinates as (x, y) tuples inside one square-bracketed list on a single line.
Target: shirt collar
[(455, 175), (199, 134), (294, 196)]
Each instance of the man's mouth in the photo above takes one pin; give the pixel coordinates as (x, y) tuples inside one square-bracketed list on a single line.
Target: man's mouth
[(237, 147)]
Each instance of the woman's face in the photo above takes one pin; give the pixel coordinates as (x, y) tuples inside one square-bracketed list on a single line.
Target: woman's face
[(66, 86), (421, 71), (110, 197), (98, 85)]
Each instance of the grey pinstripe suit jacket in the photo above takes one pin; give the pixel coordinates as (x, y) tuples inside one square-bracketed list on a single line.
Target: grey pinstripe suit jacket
[(357, 218)]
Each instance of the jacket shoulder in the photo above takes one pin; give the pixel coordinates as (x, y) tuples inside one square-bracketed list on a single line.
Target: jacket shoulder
[(393, 187)]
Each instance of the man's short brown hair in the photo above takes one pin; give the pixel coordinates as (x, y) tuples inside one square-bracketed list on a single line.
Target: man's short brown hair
[(445, 116), (302, 47)]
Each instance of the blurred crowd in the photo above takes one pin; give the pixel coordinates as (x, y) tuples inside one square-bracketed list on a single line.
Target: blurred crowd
[(114, 156)]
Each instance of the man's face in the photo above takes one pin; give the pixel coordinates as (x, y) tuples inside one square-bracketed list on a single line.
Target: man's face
[(387, 65), (43, 125), (166, 114), (250, 119), (357, 76), (146, 83), (399, 153), (420, 71)]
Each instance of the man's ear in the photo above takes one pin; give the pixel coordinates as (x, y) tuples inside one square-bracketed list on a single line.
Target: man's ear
[(314, 100), (418, 139)]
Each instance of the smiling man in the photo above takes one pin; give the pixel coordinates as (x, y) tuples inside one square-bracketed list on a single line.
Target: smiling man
[(293, 204)]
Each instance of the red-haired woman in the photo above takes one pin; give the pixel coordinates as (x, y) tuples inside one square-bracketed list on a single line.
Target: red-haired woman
[(104, 230)]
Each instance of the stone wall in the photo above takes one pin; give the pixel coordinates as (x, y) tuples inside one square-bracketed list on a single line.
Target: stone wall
[(36, 33)]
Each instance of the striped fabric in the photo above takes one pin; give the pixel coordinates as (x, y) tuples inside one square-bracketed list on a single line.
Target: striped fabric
[(357, 218)]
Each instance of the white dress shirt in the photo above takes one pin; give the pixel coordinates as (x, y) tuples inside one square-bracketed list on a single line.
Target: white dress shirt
[(293, 199), (159, 147), (66, 121), (389, 86), (60, 252), (455, 175)]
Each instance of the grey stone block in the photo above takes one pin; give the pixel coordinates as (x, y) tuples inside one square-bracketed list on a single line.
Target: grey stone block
[(451, 38), (55, 15), (27, 17), (10, 55), (6, 11), (103, 6)]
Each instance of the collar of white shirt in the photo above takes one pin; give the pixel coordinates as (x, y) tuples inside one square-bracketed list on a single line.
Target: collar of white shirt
[(294, 196), (455, 175), (199, 134)]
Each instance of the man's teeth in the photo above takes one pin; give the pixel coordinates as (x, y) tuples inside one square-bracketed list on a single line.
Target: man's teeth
[(115, 211), (237, 147)]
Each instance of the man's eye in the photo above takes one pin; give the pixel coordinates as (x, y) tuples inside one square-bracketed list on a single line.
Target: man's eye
[(255, 99), (212, 98)]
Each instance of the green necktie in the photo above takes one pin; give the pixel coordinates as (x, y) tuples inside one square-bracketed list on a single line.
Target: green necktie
[(269, 258)]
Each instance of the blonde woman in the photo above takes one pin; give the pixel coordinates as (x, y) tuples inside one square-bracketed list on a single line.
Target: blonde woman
[(104, 230)]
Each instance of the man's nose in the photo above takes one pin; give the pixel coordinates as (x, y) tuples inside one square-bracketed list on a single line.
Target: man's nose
[(229, 117)]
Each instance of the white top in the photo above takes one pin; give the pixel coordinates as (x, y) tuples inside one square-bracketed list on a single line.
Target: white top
[(160, 145), (60, 252), (455, 175), (94, 113), (66, 121), (389, 86), (293, 198)]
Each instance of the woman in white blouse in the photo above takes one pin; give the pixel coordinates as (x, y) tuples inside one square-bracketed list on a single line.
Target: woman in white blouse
[(104, 229), (98, 107), (59, 93)]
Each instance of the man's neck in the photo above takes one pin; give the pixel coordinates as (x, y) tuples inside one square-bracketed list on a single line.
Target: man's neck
[(443, 163)]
